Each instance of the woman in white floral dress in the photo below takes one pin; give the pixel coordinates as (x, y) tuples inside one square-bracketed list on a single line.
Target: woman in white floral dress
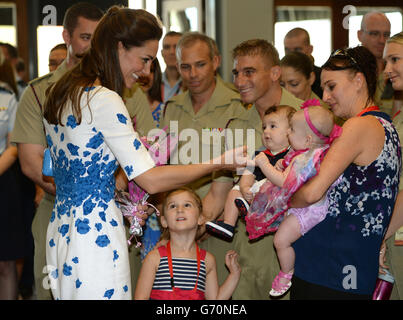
[(89, 133)]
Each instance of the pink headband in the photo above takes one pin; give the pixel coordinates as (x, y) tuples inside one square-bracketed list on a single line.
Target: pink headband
[(336, 131)]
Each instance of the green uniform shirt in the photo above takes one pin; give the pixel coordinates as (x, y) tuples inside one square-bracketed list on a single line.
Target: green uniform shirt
[(201, 134), (139, 110), (28, 126)]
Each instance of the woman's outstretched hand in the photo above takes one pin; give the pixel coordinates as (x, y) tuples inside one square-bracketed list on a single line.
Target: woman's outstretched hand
[(234, 158)]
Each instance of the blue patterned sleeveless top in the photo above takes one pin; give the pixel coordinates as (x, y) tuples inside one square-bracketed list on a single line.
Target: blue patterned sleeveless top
[(342, 251)]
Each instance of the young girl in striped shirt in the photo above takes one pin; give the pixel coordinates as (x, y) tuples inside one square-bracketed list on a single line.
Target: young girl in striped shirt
[(181, 270)]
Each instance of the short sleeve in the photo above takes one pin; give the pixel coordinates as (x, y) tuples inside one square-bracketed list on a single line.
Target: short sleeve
[(138, 107), (12, 109), (111, 120), (28, 126)]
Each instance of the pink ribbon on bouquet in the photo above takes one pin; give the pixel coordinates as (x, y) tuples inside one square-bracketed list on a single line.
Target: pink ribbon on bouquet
[(129, 203)]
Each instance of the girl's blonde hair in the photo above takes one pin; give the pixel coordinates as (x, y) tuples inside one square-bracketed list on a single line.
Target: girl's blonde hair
[(322, 119), (397, 38), (195, 196)]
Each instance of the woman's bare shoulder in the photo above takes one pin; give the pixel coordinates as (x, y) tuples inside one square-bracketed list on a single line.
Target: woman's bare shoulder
[(366, 135), (359, 122), (363, 128)]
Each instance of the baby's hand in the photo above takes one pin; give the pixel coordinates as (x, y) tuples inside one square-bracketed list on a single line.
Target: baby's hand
[(261, 160), (279, 165), (246, 193), (231, 261)]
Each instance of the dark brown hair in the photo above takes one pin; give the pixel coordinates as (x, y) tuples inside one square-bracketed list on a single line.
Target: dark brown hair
[(289, 111), (155, 93), (357, 59), (12, 51), (130, 27), (7, 76), (85, 10), (300, 62)]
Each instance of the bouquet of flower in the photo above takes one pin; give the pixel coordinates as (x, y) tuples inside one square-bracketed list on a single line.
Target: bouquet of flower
[(160, 147)]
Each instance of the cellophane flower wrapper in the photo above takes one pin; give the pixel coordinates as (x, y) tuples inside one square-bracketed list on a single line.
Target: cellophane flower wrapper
[(160, 147)]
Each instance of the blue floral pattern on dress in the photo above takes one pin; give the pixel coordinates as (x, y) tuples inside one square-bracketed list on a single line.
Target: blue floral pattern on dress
[(157, 114), (122, 118), (362, 188)]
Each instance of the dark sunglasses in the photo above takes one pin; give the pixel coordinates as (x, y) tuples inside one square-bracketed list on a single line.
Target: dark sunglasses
[(342, 53)]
